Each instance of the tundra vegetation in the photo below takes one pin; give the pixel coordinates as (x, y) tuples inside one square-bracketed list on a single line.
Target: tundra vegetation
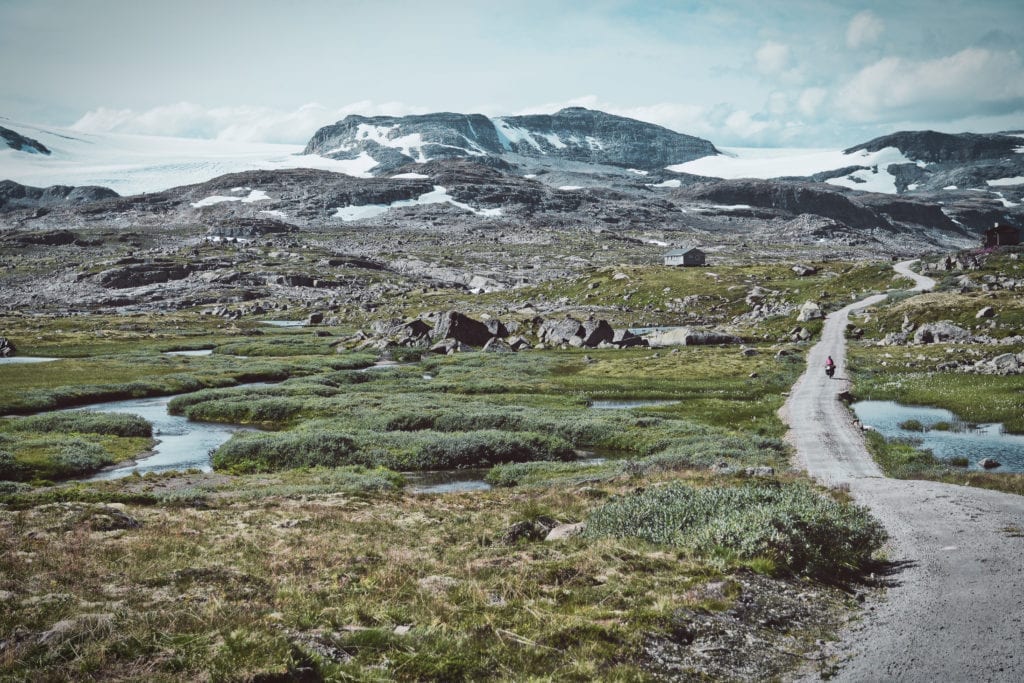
[(306, 554)]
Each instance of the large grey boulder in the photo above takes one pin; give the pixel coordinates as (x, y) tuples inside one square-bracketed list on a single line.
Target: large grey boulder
[(810, 311), (462, 328), (942, 331), (597, 331), (684, 336), (560, 331)]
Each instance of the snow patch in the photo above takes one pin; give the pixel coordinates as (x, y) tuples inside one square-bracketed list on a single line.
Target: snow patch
[(1003, 182), (274, 212), (658, 243), (637, 171), (554, 140), (1005, 202), (413, 176), (949, 187), (508, 135), (912, 186), (729, 207), (674, 182), (253, 196), (570, 187), (439, 195)]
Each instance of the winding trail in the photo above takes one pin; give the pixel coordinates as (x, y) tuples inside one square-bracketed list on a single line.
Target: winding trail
[(954, 610)]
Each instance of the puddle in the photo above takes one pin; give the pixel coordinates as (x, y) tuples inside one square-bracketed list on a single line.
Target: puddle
[(284, 323), (14, 360), (965, 440), (626, 405), (197, 352)]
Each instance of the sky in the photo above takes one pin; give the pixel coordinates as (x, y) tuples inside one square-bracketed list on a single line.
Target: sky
[(799, 73)]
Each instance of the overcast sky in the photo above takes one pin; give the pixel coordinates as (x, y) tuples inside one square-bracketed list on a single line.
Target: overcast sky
[(798, 73)]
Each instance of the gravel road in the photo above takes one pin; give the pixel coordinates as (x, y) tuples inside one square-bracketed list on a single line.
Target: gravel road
[(955, 607)]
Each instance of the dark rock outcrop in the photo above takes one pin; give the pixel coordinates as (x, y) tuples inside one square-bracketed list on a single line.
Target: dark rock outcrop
[(139, 274), (7, 348), (933, 147), (461, 328), (20, 143)]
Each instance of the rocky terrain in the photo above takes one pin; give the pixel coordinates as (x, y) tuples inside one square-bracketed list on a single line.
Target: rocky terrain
[(21, 143), (469, 203)]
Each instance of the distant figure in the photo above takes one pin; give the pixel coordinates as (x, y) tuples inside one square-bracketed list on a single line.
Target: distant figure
[(830, 367)]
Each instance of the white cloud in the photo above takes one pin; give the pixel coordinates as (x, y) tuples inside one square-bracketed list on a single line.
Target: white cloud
[(240, 123), (971, 82), (772, 58), (810, 101), (864, 29)]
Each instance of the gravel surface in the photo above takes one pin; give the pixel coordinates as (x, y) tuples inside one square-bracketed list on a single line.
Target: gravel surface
[(954, 610)]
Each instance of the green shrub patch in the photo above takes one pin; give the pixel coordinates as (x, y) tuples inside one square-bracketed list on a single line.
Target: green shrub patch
[(797, 528)]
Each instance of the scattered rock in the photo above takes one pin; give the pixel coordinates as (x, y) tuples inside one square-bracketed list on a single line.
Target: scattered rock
[(810, 311), (461, 328), (564, 531), (942, 331), (986, 312), (989, 463), (804, 270)]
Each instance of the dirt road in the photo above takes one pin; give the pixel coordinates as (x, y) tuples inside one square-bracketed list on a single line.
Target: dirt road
[(955, 610)]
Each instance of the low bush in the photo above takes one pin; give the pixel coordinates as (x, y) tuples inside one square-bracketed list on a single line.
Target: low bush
[(317, 444), (84, 422), (912, 425), (793, 525)]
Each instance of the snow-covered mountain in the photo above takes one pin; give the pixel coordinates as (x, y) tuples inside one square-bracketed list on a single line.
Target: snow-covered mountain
[(574, 134)]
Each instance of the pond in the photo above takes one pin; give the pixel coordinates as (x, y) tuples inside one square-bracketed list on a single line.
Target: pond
[(25, 359), (283, 323), (196, 352), (964, 439)]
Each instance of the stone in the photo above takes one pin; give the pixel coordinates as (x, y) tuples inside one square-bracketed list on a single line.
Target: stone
[(942, 331), (986, 312), (810, 311), (564, 531), (518, 344), (496, 327), (497, 345), (315, 318), (560, 331), (462, 328), (7, 348), (989, 463), (596, 332), (804, 270)]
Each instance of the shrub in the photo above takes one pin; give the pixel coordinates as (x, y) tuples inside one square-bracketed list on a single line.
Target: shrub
[(912, 425), (84, 422), (959, 461), (796, 527)]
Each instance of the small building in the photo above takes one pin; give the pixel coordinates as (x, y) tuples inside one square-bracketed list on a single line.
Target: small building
[(685, 256), (1001, 235)]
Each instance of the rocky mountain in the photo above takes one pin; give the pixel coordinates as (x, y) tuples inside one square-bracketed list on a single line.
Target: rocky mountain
[(574, 134), (16, 196), (940, 162), (20, 143)]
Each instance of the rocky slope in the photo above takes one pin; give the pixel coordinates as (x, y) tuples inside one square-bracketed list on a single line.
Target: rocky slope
[(16, 196), (572, 134)]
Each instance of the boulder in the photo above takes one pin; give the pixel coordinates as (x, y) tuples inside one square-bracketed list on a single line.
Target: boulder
[(986, 312), (497, 328), (564, 531), (6, 348), (315, 318), (596, 332), (462, 328), (804, 270), (810, 311), (942, 331), (518, 344), (626, 339), (684, 336), (989, 463), (415, 330), (560, 331), (497, 345)]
